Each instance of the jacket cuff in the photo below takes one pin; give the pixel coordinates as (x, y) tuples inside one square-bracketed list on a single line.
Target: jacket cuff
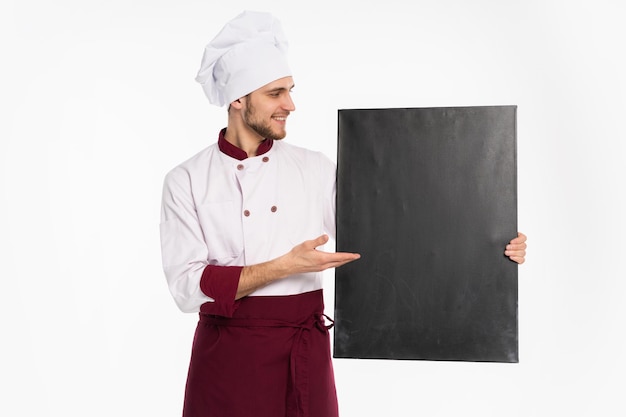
[(220, 283)]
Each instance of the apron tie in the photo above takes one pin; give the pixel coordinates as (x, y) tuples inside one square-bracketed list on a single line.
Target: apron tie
[(298, 392)]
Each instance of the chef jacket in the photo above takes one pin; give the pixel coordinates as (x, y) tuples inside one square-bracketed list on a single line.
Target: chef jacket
[(219, 210)]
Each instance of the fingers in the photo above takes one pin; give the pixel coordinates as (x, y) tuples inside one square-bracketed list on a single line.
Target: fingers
[(517, 246), (516, 249), (334, 259), (306, 258), (337, 259), (341, 256), (318, 241), (521, 238)]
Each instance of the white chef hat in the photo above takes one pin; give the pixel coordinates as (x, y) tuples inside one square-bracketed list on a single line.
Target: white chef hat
[(248, 53)]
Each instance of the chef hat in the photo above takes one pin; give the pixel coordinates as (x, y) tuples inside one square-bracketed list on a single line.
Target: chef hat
[(248, 53)]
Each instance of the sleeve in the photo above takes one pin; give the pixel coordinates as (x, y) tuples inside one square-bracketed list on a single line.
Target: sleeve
[(220, 283), (191, 280)]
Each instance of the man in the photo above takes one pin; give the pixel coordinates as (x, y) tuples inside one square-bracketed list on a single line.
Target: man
[(242, 222)]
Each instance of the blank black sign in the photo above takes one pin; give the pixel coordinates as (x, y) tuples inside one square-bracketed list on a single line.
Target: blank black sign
[(428, 197)]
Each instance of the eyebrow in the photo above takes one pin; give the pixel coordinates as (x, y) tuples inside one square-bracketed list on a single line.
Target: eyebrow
[(277, 89)]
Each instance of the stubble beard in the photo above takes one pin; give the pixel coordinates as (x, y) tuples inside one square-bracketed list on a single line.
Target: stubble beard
[(261, 127)]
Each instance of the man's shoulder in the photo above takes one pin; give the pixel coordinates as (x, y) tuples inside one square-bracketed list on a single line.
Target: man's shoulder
[(199, 161), (300, 152)]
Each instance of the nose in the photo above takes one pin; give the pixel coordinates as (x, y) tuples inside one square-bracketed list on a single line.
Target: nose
[(288, 103)]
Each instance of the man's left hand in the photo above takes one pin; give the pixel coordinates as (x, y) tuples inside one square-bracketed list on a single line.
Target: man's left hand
[(516, 249)]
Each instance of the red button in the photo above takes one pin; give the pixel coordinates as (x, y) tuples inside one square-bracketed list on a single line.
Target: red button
[(274, 208), (240, 167), (265, 159), (246, 213)]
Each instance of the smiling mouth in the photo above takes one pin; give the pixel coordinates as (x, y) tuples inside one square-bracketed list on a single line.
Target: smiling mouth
[(280, 118)]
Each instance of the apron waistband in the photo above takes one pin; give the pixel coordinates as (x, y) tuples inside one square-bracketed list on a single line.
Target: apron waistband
[(316, 320)]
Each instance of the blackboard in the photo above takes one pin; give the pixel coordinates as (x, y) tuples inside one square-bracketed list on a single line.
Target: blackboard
[(428, 197)]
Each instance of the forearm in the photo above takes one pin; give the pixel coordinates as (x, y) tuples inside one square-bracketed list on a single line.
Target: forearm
[(257, 276)]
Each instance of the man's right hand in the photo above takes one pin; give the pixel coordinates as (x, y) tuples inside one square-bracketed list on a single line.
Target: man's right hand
[(300, 259), (306, 258)]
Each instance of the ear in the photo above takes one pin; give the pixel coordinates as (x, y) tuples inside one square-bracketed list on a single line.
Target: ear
[(237, 104)]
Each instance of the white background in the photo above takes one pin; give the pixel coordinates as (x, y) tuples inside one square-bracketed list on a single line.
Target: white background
[(98, 102)]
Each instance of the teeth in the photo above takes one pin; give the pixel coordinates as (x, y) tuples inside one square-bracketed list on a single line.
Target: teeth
[(282, 119)]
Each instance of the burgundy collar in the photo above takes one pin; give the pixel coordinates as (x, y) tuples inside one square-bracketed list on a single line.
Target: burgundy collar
[(238, 153)]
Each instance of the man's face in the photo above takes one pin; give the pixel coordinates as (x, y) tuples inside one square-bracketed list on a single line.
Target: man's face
[(265, 110)]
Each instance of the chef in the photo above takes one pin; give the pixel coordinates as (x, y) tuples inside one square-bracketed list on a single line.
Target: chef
[(243, 222), (243, 226)]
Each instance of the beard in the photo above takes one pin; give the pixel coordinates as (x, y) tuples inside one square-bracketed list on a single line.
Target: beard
[(261, 126)]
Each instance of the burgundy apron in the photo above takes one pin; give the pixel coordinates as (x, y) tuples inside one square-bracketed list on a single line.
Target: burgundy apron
[(271, 359)]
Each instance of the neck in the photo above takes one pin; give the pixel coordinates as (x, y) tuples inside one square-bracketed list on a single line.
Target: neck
[(240, 135)]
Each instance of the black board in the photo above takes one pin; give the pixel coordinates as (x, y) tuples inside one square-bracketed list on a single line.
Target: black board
[(428, 197)]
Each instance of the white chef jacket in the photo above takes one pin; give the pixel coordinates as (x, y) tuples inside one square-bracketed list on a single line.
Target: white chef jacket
[(217, 210)]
